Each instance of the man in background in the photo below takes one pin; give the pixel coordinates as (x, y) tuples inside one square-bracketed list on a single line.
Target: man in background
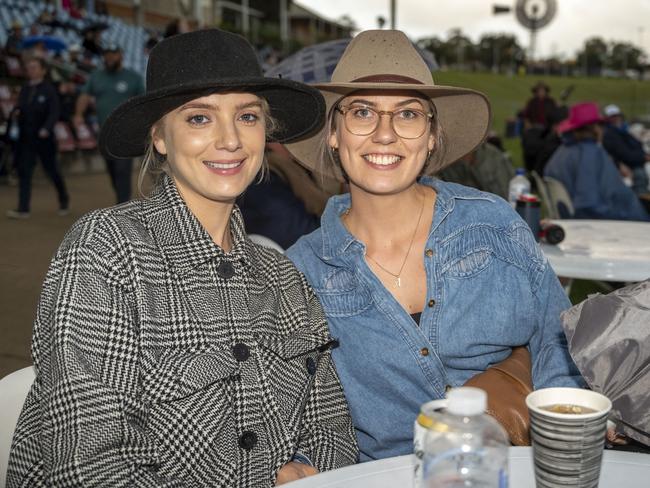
[(110, 86), (625, 149), (538, 116), (14, 43)]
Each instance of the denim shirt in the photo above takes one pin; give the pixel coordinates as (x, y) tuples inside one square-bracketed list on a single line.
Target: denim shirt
[(489, 288), (593, 182)]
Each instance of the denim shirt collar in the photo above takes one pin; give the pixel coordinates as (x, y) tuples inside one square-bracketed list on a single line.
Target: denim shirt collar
[(337, 240)]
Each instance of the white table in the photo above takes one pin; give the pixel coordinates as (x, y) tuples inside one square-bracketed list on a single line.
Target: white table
[(397, 472), (605, 250)]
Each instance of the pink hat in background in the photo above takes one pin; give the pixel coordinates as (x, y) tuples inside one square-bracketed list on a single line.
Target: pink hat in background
[(580, 114)]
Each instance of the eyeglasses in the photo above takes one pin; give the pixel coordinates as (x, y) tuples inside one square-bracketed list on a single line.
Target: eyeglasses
[(408, 123)]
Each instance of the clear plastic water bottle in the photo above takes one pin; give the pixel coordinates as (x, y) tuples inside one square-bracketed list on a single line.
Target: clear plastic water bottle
[(518, 186), (465, 447)]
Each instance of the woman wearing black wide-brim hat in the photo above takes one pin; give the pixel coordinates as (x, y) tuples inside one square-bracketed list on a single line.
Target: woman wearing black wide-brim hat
[(170, 350)]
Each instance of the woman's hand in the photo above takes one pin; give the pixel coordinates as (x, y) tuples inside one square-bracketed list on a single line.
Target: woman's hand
[(293, 471), (614, 438)]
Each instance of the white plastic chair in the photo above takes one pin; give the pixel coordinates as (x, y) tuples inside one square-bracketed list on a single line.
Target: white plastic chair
[(13, 391), (550, 209), (266, 242), (559, 195)]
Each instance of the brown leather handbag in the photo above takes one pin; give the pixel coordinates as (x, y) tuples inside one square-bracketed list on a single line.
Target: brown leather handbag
[(507, 384)]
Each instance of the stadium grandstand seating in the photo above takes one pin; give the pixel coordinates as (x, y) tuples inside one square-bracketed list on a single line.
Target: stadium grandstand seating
[(70, 30), (130, 38)]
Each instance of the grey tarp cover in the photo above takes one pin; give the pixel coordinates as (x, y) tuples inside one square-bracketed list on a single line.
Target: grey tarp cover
[(609, 340)]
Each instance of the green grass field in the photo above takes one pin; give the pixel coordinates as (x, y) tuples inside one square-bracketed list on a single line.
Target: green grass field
[(508, 94)]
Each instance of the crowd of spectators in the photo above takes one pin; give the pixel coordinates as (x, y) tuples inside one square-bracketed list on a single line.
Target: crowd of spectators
[(67, 66), (591, 152)]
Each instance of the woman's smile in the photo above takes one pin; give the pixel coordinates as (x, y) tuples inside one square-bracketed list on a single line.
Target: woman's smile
[(225, 167), (383, 160)]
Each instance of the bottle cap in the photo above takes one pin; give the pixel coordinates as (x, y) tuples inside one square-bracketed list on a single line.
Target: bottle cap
[(466, 401), (520, 171)]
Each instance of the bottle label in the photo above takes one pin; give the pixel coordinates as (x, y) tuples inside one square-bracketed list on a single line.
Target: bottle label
[(503, 478), (461, 467)]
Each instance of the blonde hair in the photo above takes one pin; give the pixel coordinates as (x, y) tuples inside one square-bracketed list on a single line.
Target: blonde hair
[(329, 161), (154, 164)]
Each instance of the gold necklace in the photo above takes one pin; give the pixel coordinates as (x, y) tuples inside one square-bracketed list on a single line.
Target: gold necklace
[(398, 279)]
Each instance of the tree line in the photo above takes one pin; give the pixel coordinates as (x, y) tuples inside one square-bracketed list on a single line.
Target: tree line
[(502, 53)]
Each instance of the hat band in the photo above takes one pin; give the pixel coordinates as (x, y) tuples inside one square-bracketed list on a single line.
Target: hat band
[(388, 78)]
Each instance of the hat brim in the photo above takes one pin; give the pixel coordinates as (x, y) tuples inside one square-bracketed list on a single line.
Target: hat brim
[(541, 85), (569, 125), (298, 108), (464, 116)]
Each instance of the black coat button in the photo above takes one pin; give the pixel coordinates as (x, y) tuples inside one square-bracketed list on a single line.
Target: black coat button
[(247, 440), (241, 351), (311, 365), (225, 270)]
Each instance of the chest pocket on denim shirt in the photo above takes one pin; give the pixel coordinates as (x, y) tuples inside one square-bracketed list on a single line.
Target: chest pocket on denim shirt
[(342, 295), (470, 263)]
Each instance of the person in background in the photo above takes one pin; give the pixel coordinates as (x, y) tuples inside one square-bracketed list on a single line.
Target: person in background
[(110, 86), (92, 40), (587, 171), (550, 140), (625, 149), (538, 115), (486, 169), (288, 202), (76, 59), (175, 27), (151, 42), (38, 111), (68, 95), (425, 283), (170, 350), (540, 107), (14, 43)]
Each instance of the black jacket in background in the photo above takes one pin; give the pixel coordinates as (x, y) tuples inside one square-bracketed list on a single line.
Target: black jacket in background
[(623, 147), (271, 209), (39, 109)]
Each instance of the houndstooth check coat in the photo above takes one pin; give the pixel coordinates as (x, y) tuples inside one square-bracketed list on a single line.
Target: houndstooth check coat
[(163, 361)]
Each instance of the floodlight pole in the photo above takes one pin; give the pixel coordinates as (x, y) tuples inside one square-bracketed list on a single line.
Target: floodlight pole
[(284, 24), (533, 33), (392, 13)]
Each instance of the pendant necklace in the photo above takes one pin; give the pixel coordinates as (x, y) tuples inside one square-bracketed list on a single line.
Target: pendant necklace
[(397, 277)]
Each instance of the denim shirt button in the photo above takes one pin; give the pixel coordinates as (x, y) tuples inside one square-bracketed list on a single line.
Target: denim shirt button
[(424, 351), (429, 252), (431, 303)]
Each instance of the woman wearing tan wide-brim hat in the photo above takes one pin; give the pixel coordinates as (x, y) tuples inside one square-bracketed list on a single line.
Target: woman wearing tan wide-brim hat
[(425, 283)]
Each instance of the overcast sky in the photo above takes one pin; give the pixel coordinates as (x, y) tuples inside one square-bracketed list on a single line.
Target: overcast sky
[(575, 21)]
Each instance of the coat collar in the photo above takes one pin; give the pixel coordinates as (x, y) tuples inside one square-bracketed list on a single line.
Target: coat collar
[(337, 240), (183, 239)]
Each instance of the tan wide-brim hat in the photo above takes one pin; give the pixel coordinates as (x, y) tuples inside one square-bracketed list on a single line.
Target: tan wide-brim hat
[(386, 60)]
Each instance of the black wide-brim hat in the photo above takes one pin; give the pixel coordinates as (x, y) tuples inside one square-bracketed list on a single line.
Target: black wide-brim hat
[(188, 66)]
